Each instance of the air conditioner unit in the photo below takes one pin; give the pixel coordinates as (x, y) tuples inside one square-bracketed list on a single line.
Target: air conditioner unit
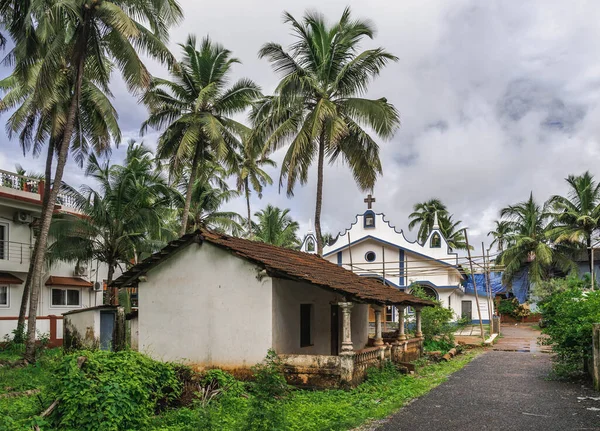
[(80, 271), (97, 286), (23, 217)]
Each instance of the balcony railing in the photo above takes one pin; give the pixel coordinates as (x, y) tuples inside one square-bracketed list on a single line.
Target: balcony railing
[(23, 183), (19, 182), (15, 252)]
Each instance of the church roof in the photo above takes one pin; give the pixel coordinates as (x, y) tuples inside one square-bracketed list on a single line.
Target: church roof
[(282, 263)]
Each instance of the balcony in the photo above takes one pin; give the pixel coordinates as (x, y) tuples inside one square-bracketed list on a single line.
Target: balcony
[(15, 256), (30, 188)]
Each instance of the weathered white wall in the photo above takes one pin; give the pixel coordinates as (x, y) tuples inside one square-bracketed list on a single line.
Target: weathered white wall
[(87, 323), (134, 333), (288, 296), (206, 307), (360, 326)]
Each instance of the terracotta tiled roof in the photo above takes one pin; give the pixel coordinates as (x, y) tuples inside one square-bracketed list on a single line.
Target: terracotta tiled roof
[(283, 263), (67, 281), (7, 278)]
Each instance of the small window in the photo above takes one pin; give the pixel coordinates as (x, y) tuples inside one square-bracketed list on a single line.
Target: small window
[(306, 313), (369, 219), (66, 297), (436, 241), (3, 241), (310, 245), (4, 296), (370, 256)]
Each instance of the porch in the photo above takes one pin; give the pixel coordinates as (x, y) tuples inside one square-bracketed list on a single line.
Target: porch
[(349, 366)]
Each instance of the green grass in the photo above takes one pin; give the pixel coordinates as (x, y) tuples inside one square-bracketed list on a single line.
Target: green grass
[(16, 412), (384, 393)]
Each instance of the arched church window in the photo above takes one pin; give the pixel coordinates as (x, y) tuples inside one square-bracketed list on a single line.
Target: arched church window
[(428, 291), (370, 256), (369, 219), (310, 245), (436, 241)]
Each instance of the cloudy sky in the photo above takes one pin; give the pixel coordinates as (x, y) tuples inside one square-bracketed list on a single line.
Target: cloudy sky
[(497, 99)]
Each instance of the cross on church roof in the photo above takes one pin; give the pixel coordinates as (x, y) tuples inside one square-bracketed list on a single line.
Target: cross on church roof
[(369, 200)]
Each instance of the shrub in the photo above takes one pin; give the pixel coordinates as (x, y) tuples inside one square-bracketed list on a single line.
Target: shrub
[(269, 393), (435, 321), (112, 391), (569, 314), (511, 307)]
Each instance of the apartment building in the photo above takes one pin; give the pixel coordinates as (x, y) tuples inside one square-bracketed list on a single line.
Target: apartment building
[(65, 286)]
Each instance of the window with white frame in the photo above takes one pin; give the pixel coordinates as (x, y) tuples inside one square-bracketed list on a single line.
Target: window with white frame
[(4, 299), (65, 297)]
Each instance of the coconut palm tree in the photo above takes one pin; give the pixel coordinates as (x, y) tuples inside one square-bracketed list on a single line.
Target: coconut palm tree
[(209, 193), (530, 247), (577, 215), (424, 214), (276, 227), (75, 40), (250, 173), (195, 110), (118, 218), (318, 108), (205, 208), (501, 234), (455, 236), (39, 122)]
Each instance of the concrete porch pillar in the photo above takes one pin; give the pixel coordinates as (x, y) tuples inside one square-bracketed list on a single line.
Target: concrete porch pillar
[(378, 335), (418, 332), (401, 333), (347, 347)]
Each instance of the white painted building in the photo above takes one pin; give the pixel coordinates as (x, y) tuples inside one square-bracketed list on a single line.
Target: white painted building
[(373, 247), (66, 286), (213, 300)]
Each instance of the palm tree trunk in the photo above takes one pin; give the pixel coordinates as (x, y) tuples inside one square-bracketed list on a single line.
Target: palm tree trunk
[(48, 210), (113, 290), (188, 192), (589, 252), (319, 196), (246, 186), (19, 335)]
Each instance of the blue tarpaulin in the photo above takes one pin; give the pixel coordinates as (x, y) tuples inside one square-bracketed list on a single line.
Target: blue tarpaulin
[(520, 285)]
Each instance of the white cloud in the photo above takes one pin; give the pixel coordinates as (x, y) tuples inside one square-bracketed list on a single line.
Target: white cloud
[(497, 99)]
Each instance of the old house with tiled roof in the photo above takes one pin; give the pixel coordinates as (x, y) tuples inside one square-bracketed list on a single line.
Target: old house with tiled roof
[(213, 300)]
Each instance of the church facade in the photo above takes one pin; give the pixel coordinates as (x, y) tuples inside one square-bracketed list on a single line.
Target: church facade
[(373, 247)]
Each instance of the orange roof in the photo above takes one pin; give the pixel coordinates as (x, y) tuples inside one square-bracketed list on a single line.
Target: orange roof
[(68, 281), (283, 263), (7, 278)]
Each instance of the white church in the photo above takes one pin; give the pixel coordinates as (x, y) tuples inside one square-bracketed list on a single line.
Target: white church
[(373, 247)]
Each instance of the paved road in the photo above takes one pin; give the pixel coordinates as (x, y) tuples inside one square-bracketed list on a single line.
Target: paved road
[(503, 390)]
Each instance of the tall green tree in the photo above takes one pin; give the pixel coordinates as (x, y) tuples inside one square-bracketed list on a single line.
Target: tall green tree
[(424, 214), (195, 110), (209, 193), (577, 215), (77, 39), (454, 234), (501, 234), (40, 123), (119, 220), (249, 171), (318, 108), (275, 226), (531, 248)]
